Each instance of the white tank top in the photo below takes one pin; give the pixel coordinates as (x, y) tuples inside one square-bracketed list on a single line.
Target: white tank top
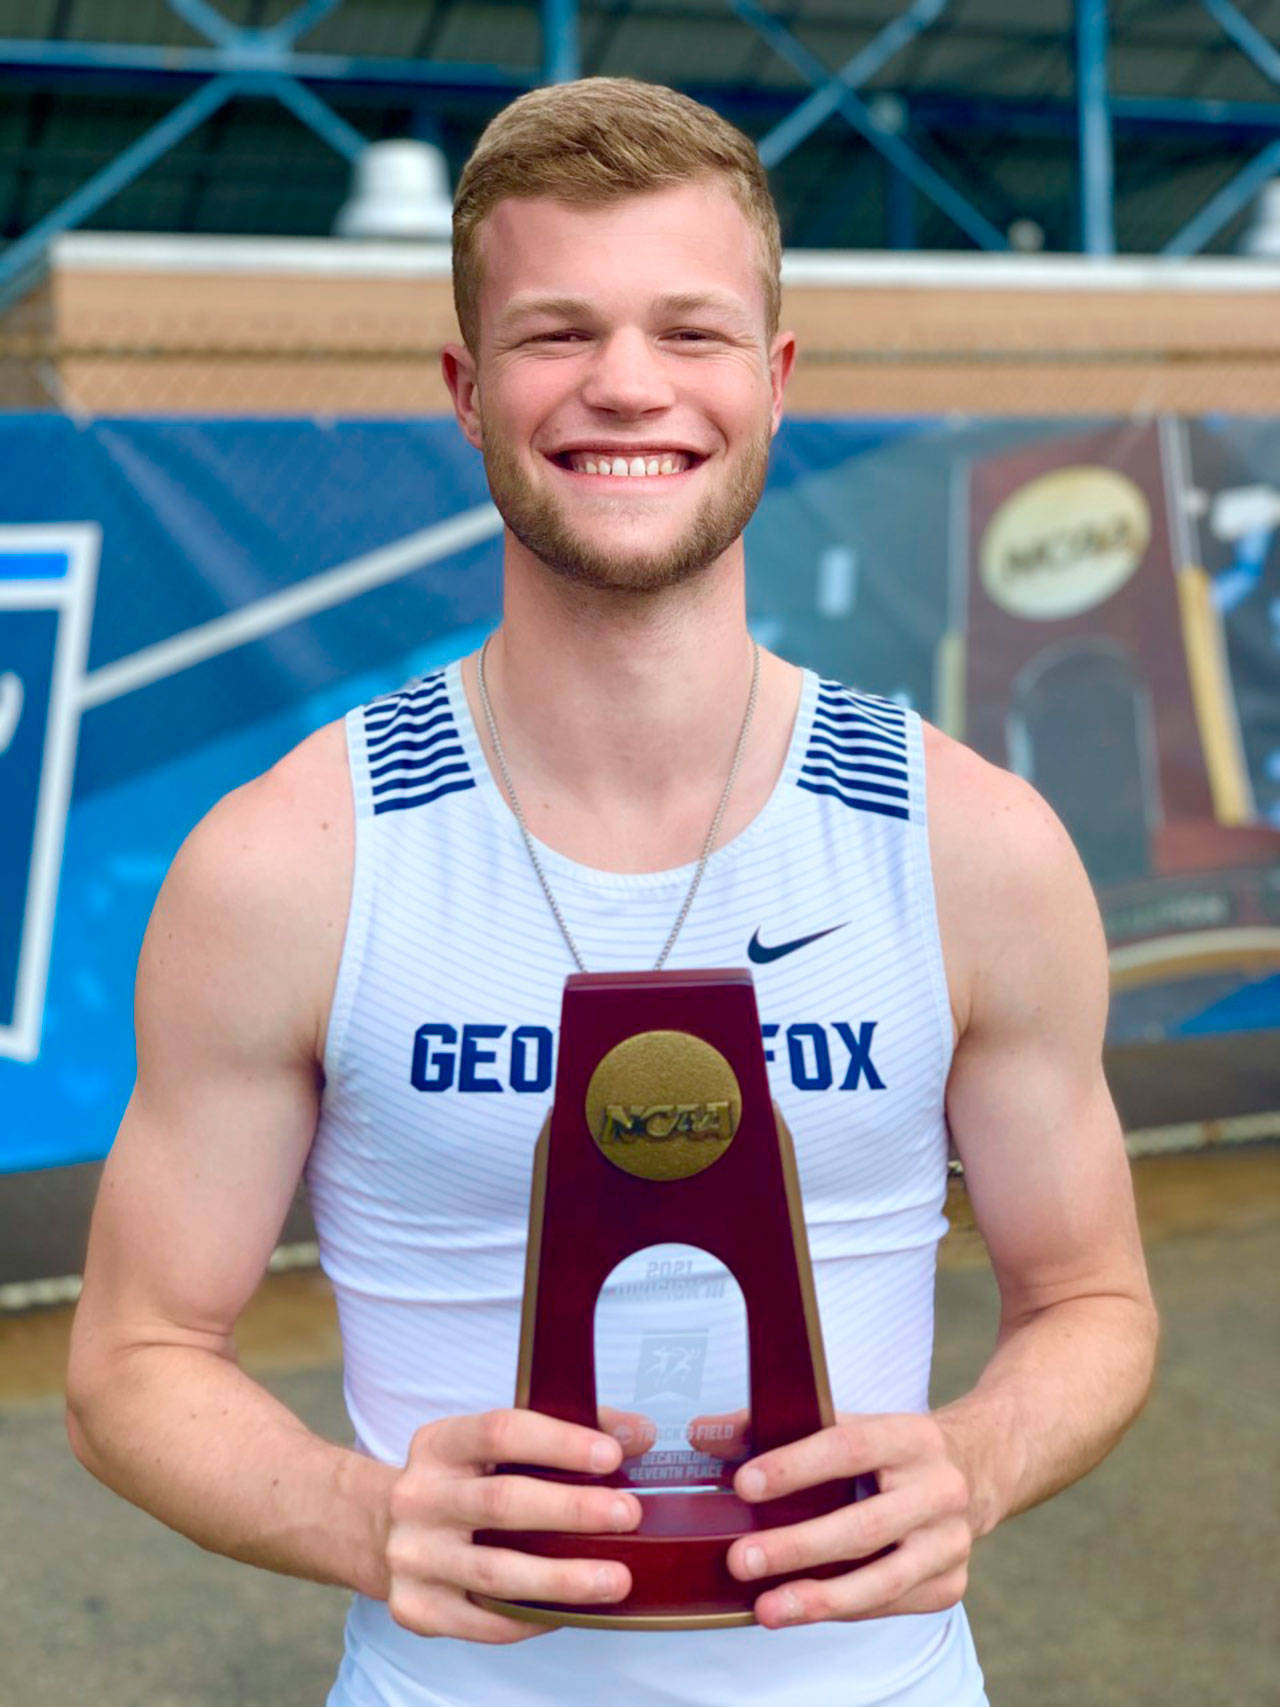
[(439, 1068)]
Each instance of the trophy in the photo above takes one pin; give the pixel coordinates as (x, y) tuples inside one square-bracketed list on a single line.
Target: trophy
[(662, 1131)]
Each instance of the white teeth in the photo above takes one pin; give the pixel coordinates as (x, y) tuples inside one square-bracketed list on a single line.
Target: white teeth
[(672, 462)]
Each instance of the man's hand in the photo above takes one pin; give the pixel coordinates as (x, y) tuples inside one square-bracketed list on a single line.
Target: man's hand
[(921, 1512), (448, 1490)]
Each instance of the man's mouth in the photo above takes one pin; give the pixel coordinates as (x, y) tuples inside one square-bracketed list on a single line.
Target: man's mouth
[(628, 467)]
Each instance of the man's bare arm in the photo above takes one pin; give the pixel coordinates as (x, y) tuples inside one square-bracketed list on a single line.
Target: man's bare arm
[(233, 984), (1048, 1178), (1045, 1168)]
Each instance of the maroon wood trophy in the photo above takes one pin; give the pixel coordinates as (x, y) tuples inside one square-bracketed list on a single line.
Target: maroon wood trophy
[(663, 1131)]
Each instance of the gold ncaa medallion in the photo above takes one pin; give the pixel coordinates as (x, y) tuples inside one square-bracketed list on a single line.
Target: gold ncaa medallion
[(663, 1105)]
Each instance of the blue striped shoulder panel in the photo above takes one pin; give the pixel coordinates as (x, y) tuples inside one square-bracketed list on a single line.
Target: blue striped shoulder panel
[(857, 752), (415, 751)]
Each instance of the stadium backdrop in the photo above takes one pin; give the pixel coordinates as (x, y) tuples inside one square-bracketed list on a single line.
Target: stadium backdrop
[(1096, 603)]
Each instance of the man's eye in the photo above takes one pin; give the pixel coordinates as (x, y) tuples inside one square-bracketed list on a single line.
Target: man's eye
[(692, 335), (564, 336)]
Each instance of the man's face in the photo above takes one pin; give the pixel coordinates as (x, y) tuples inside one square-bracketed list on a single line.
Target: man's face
[(626, 336)]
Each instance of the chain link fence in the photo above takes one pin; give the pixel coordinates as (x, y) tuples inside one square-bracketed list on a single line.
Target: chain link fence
[(209, 326)]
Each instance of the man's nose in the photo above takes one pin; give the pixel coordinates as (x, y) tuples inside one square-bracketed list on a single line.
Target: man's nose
[(627, 376)]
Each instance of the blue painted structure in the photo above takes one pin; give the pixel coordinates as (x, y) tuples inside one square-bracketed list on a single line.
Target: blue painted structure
[(272, 63), (837, 94), (238, 61), (1249, 180), (1097, 177)]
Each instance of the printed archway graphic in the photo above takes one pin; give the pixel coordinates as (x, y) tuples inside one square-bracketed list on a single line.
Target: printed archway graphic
[(1080, 728)]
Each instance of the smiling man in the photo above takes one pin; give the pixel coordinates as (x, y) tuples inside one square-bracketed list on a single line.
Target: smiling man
[(354, 972)]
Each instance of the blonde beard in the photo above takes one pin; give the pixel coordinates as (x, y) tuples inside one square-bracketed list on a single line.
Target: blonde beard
[(536, 520)]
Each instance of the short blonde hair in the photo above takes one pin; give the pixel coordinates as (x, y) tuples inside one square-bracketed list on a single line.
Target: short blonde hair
[(595, 141)]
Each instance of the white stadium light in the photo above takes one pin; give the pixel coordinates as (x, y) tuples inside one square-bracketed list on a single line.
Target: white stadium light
[(1262, 238), (400, 189), (1026, 236)]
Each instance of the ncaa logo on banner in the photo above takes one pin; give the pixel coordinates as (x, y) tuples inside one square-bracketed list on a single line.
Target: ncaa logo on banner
[(47, 577)]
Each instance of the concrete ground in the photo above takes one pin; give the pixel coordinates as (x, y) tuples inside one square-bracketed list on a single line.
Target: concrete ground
[(1151, 1584)]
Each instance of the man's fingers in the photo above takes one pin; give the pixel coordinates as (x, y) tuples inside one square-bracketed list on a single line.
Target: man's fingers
[(506, 1574), (517, 1437), (853, 1532), (633, 1431), (435, 1609), (925, 1574), (477, 1624), (526, 1502), (727, 1435), (853, 1446), (449, 1490)]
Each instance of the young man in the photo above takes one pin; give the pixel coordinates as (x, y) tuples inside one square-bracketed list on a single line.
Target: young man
[(368, 992)]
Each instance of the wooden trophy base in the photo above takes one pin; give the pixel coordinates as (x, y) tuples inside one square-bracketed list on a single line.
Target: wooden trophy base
[(680, 1578), (663, 1131)]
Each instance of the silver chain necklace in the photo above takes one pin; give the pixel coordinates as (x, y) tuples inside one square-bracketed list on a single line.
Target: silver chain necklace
[(707, 846)]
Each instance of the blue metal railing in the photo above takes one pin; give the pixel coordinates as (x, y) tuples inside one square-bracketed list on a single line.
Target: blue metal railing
[(235, 61)]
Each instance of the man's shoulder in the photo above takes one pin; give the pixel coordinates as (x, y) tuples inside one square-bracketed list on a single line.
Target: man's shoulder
[(1007, 877), (243, 946), (271, 861), (984, 816), (296, 807)]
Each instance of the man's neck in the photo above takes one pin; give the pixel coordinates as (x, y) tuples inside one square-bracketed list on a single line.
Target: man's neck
[(623, 711)]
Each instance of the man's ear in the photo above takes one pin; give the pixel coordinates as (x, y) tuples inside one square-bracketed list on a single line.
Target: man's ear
[(782, 358), (459, 369)]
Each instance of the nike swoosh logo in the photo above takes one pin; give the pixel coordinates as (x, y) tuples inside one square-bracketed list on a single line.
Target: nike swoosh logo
[(757, 952)]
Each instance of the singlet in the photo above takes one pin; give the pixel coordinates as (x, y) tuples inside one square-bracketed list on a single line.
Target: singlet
[(439, 1068)]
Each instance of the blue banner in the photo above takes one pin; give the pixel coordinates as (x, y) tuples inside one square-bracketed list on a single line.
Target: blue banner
[(181, 601)]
